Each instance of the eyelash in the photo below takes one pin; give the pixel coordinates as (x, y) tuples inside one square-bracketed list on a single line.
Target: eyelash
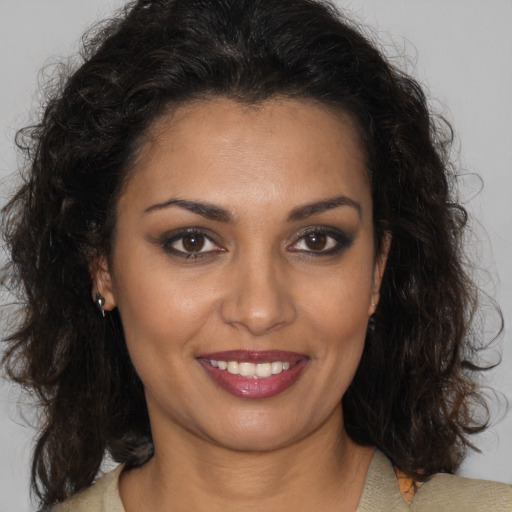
[(338, 238), (167, 244)]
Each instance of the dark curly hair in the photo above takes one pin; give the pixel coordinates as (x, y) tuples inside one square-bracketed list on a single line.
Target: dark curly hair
[(413, 393)]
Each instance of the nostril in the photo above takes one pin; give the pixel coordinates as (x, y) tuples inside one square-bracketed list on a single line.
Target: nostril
[(259, 310)]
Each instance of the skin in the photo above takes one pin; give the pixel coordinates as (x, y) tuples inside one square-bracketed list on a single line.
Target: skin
[(256, 284)]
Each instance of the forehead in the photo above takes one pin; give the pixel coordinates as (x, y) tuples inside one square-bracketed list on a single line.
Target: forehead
[(222, 150)]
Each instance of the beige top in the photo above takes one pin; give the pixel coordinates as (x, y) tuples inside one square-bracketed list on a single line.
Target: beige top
[(442, 493)]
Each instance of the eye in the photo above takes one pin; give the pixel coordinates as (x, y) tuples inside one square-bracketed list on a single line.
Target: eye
[(321, 241), (191, 243)]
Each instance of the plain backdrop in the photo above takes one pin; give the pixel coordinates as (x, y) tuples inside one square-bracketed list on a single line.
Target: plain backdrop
[(460, 49)]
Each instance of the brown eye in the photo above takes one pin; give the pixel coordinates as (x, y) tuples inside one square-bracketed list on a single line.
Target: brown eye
[(321, 242), (193, 242), (315, 241)]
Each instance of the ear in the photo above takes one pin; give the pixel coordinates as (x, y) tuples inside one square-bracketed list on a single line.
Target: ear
[(378, 271), (102, 283)]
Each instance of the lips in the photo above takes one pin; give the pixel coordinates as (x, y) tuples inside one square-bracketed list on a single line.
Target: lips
[(254, 374)]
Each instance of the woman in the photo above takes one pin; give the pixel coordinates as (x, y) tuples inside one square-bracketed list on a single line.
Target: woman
[(241, 263)]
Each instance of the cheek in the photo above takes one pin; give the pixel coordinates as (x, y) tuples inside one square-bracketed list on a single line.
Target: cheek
[(337, 314), (159, 306), (340, 299)]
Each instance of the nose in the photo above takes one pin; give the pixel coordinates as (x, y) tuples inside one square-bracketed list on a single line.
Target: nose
[(258, 296)]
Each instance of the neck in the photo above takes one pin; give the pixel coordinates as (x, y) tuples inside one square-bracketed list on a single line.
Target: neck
[(324, 471)]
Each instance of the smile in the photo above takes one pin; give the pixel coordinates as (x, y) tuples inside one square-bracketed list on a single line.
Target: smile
[(249, 374), (252, 370)]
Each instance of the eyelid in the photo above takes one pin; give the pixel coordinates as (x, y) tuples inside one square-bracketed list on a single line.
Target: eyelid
[(171, 238), (343, 240)]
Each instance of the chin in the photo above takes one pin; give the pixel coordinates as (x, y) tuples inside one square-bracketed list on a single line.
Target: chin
[(258, 432), (255, 441)]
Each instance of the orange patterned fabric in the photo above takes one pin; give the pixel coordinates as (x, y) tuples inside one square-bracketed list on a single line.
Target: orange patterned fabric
[(407, 485)]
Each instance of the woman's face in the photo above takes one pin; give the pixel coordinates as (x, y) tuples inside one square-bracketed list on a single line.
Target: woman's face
[(244, 239)]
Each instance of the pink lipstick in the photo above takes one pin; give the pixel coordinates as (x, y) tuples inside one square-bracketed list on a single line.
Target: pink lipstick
[(254, 374)]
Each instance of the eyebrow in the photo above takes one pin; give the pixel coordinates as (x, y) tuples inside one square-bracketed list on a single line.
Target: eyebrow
[(212, 212), (207, 210), (310, 209)]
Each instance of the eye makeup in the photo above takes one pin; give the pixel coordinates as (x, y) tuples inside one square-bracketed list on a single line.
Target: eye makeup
[(321, 241), (193, 243), (189, 243)]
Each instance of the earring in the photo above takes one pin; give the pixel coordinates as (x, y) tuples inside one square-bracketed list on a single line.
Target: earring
[(371, 324), (371, 319), (99, 300)]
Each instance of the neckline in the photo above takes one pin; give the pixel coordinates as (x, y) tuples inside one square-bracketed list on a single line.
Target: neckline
[(381, 489)]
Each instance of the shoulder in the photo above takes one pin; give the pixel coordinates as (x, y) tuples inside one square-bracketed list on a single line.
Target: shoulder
[(102, 496), (453, 493), (386, 488)]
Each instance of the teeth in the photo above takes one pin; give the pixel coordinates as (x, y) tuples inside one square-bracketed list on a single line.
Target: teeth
[(263, 370), (233, 367), (252, 370), (277, 367), (246, 369)]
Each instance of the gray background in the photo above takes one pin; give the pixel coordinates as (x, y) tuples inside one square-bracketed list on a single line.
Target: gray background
[(460, 49)]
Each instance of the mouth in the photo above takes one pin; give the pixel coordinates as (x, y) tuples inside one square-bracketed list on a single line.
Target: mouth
[(254, 374)]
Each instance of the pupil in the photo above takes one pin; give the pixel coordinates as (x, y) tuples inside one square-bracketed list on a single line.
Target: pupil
[(193, 243), (316, 241)]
